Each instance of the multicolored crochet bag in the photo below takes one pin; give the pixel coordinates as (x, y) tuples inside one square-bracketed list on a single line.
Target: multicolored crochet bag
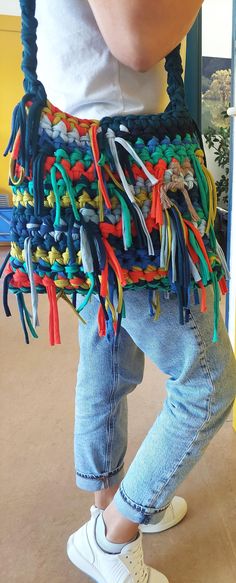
[(105, 206)]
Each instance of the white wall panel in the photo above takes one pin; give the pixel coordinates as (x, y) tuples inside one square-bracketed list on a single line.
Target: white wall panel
[(10, 7)]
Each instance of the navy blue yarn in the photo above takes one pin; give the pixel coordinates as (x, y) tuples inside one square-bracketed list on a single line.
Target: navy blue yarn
[(150, 300), (29, 62), (69, 239), (47, 226), (21, 312), (117, 337), (124, 161), (90, 235), (183, 259), (13, 129), (15, 124), (141, 238), (34, 89), (5, 294), (196, 296), (187, 315), (109, 328), (101, 252), (76, 229), (18, 121), (31, 136), (183, 267), (38, 187), (15, 263), (74, 296)]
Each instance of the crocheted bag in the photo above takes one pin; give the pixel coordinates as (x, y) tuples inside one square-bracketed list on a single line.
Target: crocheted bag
[(105, 206)]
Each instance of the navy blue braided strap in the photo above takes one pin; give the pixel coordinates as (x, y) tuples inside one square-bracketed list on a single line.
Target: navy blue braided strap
[(176, 117), (175, 84), (29, 41), (35, 92)]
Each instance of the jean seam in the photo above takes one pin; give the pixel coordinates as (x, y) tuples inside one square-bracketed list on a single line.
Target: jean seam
[(110, 423), (101, 476), (136, 506), (206, 369), (204, 364), (180, 461)]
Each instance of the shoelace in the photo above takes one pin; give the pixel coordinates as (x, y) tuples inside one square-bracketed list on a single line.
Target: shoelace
[(137, 566)]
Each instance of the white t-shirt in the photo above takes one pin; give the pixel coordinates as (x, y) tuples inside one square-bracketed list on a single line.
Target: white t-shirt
[(80, 74)]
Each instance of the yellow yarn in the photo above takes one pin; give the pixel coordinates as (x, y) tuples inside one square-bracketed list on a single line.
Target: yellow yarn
[(141, 198), (47, 110), (64, 297), (65, 200), (55, 255), (181, 220), (214, 259), (110, 305), (110, 173), (62, 283), (65, 256), (50, 200), (16, 252), (17, 198), (157, 305), (211, 189), (58, 117), (27, 199), (79, 255), (19, 180), (100, 205), (169, 231), (120, 296), (40, 254), (114, 202), (85, 198)]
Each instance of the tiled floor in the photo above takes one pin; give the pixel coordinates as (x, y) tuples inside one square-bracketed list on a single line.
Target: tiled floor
[(40, 505)]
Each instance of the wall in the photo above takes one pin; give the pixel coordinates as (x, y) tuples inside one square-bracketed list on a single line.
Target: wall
[(217, 28), (11, 89), (216, 17), (11, 7)]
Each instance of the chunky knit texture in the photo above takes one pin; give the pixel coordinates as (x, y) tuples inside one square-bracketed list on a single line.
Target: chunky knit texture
[(100, 207)]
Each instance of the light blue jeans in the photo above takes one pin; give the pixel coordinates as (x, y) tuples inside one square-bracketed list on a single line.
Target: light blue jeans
[(200, 392)]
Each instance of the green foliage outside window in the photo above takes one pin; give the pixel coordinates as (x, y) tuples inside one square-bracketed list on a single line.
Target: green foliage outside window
[(216, 100), (219, 140)]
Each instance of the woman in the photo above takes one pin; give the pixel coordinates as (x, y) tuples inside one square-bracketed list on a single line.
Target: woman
[(105, 60)]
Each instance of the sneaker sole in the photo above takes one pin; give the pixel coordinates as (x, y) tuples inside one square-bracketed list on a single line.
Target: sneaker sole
[(80, 562)]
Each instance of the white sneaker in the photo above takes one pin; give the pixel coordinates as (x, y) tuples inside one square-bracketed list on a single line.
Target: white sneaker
[(173, 515), (125, 567)]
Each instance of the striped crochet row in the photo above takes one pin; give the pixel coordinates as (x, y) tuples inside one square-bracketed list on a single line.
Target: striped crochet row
[(102, 209)]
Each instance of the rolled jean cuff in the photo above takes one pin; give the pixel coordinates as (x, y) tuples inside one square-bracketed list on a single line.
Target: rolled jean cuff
[(93, 483), (136, 512)]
